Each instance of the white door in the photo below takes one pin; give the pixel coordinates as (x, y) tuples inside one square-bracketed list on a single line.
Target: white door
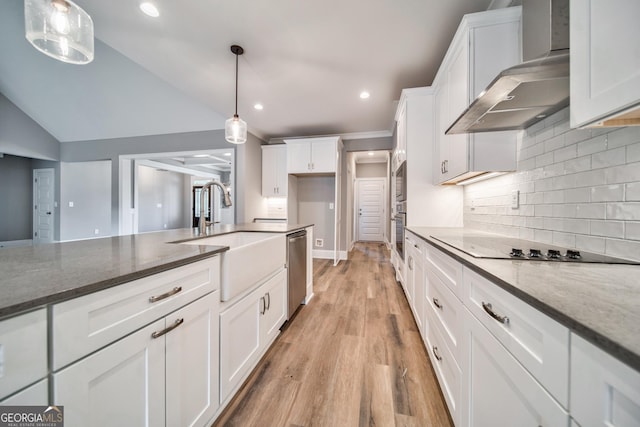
[(43, 212), (275, 308), (370, 209), (192, 363), (120, 385)]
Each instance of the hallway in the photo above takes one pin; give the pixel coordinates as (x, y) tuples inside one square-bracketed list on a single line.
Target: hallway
[(352, 357)]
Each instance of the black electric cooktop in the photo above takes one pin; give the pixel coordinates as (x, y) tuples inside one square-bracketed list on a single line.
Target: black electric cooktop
[(497, 247)]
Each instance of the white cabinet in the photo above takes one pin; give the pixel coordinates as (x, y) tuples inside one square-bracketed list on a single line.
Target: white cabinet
[(499, 390), (247, 329), (37, 394), (539, 343), (485, 44), (274, 170), (604, 391), (312, 155), (23, 351), (163, 374), (415, 278), (605, 62)]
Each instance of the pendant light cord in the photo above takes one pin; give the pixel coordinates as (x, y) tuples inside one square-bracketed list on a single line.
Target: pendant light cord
[(236, 85)]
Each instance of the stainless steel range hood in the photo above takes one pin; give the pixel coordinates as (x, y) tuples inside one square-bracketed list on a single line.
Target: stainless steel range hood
[(527, 93)]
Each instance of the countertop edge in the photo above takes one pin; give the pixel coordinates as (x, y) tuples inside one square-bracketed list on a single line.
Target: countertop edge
[(611, 347)]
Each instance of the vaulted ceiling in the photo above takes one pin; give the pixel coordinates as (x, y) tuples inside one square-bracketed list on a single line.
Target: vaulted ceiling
[(305, 61)]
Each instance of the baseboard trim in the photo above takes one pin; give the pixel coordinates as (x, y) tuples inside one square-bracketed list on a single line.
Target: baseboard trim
[(308, 298), (324, 254), (16, 243)]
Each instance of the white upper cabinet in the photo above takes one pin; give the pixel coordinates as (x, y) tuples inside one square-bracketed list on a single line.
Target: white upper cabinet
[(485, 44), (605, 62), (312, 155), (274, 170)]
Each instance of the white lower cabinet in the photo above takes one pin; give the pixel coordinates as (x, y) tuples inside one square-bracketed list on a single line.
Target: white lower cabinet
[(415, 278), (247, 328), (162, 374), (499, 391), (37, 394), (604, 391)]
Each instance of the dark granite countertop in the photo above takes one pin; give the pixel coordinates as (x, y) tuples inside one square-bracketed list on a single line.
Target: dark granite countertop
[(599, 302), (33, 276)]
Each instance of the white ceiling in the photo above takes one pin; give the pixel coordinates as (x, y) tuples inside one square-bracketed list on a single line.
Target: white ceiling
[(305, 61)]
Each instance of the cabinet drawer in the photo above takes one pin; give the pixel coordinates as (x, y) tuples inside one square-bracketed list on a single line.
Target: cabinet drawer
[(83, 325), (448, 269), (37, 394), (445, 311), (446, 368), (23, 351), (539, 343), (604, 391)]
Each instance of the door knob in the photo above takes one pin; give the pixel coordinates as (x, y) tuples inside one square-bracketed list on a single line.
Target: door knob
[(48, 213)]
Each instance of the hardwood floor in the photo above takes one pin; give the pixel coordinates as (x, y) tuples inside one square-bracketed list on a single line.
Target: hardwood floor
[(352, 357)]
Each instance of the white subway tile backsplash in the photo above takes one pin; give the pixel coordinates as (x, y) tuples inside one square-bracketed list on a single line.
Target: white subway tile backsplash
[(614, 157), (607, 193), (577, 188)]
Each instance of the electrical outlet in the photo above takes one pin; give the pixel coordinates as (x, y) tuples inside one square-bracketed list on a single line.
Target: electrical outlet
[(70, 204), (96, 231), (319, 243), (515, 199), (331, 206)]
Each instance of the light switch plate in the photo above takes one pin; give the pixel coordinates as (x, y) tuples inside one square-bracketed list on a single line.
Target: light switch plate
[(515, 199)]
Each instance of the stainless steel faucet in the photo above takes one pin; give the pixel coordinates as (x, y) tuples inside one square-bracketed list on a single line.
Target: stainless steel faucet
[(226, 202)]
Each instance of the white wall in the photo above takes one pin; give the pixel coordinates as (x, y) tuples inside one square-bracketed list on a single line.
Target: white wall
[(161, 200), (371, 170), (16, 199), (578, 188), (88, 186)]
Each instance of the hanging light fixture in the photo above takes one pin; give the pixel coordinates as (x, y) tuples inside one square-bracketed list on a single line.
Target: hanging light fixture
[(59, 29), (235, 129)]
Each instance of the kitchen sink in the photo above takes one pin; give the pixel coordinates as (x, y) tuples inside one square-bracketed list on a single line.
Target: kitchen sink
[(252, 257)]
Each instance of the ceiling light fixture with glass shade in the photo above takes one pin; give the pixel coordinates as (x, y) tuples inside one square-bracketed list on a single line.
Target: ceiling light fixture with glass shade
[(235, 129), (59, 29)]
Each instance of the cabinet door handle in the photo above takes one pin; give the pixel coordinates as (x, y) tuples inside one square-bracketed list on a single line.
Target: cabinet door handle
[(487, 307), (268, 300), (434, 349), (415, 246), (177, 323), (165, 295), (436, 302), (263, 305)]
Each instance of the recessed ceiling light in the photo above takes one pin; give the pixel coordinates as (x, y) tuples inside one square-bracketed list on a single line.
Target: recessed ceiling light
[(364, 95), (227, 154), (201, 155), (370, 153), (258, 106), (149, 9)]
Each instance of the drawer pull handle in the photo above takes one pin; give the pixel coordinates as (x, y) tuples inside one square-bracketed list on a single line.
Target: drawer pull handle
[(166, 294), (435, 353), (177, 323), (487, 307), (268, 300), (437, 303), (263, 305)]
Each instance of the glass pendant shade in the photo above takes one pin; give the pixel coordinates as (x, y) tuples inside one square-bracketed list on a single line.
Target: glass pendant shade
[(59, 29), (235, 130)]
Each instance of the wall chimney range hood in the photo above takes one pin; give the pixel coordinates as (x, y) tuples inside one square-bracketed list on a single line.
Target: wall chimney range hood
[(527, 93)]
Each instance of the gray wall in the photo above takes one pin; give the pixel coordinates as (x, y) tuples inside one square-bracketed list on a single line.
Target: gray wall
[(314, 195), (368, 144), (371, 170), (16, 187), (161, 200), (21, 136), (247, 156), (88, 186)]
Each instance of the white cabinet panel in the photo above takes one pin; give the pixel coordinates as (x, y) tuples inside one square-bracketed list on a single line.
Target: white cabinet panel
[(298, 157), (312, 155), (448, 270), (605, 59), (323, 156), (37, 394), (120, 385), (500, 391), (274, 170), (22, 360), (604, 391), (446, 310), (539, 343), (275, 307), (192, 354), (87, 323)]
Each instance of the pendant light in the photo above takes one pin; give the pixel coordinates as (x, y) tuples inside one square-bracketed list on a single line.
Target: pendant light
[(59, 29), (235, 129)]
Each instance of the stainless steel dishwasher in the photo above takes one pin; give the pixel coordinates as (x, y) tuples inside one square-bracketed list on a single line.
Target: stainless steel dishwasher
[(296, 269)]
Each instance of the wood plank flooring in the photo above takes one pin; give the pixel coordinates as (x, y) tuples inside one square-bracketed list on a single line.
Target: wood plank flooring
[(352, 357)]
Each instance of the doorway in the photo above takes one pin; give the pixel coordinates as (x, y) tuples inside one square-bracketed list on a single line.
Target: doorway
[(370, 199), (43, 208)]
